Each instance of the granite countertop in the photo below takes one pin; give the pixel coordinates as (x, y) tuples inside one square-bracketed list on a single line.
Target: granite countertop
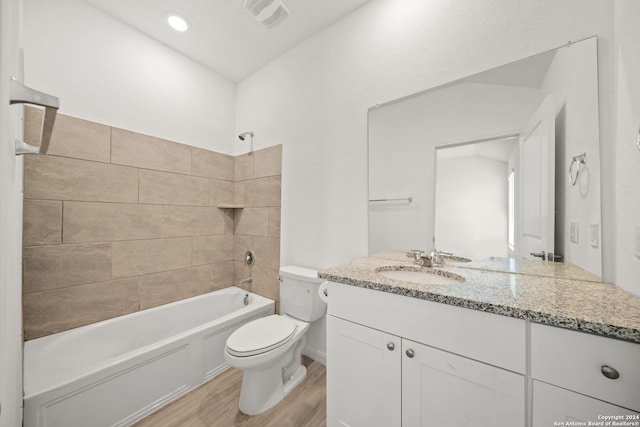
[(510, 265), (581, 305)]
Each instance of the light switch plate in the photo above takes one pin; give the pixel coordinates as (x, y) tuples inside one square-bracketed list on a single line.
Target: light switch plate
[(637, 241), (594, 236), (574, 232)]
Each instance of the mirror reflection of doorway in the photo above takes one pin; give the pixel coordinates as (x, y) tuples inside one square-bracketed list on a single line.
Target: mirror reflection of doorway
[(495, 195), (473, 197)]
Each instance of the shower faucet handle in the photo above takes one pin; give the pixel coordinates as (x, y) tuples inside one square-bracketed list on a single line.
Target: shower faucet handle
[(249, 258)]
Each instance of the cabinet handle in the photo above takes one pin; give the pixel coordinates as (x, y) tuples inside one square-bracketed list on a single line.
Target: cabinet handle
[(391, 346), (609, 372), (410, 353)]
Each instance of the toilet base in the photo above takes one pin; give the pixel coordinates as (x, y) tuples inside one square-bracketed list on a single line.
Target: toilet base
[(295, 379), (258, 392)]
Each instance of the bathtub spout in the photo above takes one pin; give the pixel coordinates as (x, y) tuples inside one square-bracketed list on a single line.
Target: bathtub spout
[(245, 281)]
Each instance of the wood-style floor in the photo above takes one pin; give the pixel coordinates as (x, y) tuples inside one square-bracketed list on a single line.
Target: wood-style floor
[(215, 404)]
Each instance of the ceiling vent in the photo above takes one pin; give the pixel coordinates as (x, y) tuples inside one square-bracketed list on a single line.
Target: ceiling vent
[(269, 13)]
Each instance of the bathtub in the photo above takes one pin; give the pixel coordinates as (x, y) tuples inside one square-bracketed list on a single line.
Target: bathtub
[(115, 372)]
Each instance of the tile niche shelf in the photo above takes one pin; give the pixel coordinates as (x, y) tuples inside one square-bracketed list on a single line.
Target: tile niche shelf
[(229, 206)]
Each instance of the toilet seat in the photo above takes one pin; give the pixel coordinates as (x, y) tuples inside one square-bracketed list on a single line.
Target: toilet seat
[(261, 335)]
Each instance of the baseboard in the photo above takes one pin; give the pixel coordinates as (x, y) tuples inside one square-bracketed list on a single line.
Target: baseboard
[(317, 355)]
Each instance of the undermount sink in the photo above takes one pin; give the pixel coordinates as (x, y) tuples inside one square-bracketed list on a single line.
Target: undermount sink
[(420, 275)]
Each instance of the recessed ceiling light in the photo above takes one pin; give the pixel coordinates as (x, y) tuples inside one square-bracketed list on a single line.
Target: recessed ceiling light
[(177, 23)]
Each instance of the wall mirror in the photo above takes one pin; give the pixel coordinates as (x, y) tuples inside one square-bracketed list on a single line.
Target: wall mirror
[(481, 166)]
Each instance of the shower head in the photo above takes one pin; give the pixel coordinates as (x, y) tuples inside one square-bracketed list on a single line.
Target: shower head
[(243, 135)]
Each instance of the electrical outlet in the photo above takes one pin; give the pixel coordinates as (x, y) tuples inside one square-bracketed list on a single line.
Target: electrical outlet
[(574, 232), (594, 236)]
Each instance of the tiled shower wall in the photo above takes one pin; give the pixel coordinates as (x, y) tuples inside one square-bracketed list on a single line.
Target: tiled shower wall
[(116, 222)]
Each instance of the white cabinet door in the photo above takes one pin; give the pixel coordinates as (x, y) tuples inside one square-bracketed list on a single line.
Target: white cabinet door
[(553, 404), (363, 376), (443, 389)]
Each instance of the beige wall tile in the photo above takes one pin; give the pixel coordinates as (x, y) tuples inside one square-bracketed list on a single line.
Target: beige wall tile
[(266, 283), (221, 275), (134, 258), (274, 222), (210, 249), (221, 192), (261, 192), (110, 232), (244, 167), (33, 120), (80, 139), (267, 252), (252, 221), (240, 272), (135, 149), (42, 222), (106, 222), (60, 178), (238, 192), (61, 266), (191, 221), (173, 189), (267, 162), (211, 164), (162, 288), (241, 244), (57, 310), (228, 217)]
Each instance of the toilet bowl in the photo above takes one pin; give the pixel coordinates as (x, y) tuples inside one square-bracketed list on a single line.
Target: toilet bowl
[(269, 349)]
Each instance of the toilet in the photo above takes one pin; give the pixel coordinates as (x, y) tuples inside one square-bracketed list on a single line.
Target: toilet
[(269, 349)]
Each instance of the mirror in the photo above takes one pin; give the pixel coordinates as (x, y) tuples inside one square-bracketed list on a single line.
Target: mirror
[(480, 166)]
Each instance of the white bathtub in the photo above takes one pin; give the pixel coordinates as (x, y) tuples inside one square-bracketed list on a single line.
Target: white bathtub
[(115, 372)]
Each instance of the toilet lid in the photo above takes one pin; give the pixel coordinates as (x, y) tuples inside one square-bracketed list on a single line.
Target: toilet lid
[(261, 335)]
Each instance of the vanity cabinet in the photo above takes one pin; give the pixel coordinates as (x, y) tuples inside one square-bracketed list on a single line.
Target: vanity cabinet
[(553, 404), (394, 360), (579, 376), (443, 389), (364, 377)]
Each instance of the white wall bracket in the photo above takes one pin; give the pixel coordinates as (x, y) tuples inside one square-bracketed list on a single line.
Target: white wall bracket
[(24, 148)]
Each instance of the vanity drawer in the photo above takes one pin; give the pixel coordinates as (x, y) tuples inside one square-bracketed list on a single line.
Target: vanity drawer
[(490, 338), (577, 361)]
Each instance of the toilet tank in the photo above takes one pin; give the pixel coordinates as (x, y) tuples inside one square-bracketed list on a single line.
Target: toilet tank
[(299, 293)]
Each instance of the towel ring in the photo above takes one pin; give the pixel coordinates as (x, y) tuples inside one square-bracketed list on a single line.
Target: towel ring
[(577, 160)]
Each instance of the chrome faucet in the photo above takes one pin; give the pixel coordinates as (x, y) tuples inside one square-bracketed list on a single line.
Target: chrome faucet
[(435, 258), (432, 259)]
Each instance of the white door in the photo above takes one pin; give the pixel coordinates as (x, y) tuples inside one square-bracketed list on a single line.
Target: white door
[(537, 182), (446, 390), (363, 376), (10, 222), (553, 404)]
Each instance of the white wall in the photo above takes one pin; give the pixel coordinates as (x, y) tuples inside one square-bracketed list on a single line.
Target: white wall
[(104, 71), (627, 152), (10, 222), (472, 200)]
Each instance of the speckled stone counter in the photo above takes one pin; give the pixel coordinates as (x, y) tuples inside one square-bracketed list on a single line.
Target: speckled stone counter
[(586, 306), (509, 265)]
